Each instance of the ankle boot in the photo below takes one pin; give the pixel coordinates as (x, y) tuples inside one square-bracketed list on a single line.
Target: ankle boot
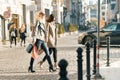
[(30, 69), (51, 69), (31, 66)]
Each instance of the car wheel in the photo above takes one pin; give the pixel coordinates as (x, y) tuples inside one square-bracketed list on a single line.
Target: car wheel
[(89, 39)]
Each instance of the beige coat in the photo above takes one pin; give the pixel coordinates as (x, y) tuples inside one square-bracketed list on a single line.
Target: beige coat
[(51, 31)]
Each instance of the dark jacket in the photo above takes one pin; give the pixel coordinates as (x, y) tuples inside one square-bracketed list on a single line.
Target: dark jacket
[(13, 30)]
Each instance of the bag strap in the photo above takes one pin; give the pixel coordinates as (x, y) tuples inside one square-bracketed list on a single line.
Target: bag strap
[(40, 28)]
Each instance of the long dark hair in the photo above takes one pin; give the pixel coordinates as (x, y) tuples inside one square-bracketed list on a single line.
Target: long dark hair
[(50, 18)]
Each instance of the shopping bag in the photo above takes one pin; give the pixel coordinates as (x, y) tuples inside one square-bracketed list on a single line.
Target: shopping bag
[(34, 52), (29, 48)]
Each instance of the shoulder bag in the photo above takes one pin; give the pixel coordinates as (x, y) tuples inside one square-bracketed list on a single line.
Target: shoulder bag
[(29, 48)]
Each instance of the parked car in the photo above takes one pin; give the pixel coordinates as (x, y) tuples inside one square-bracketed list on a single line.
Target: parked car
[(112, 30)]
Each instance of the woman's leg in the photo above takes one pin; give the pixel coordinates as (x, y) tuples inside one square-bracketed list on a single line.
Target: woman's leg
[(45, 57), (50, 50), (55, 54), (55, 57), (15, 41), (11, 40), (44, 47), (24, 42), (31, 65)]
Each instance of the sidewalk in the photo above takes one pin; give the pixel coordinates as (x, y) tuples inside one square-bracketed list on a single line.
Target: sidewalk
[(111, 72), (4, 45)]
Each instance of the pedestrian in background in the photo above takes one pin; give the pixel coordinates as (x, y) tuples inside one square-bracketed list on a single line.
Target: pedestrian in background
[(40, 35), (13, 34), (8, 26), (22, 32), (51, 31)]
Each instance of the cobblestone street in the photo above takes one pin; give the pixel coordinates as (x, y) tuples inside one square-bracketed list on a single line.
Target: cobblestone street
[(14, 61)]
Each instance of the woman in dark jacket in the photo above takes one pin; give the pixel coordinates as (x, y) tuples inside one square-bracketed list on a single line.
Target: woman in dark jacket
[(22, 34), (13, 34)]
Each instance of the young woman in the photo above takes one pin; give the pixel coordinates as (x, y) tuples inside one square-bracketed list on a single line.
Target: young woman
[(22, 32), (13, 34), (51, 30), (40, 35)]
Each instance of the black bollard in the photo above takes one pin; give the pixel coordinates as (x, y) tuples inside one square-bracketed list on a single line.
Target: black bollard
[(80, 72), (88, 60), (63, 72), (94, 57), (108, 49)]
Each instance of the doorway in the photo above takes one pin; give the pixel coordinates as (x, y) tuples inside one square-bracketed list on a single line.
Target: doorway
[(15, 19)]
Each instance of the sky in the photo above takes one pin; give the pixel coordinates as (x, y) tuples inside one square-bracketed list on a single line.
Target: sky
[(87, 1), (94, 1)]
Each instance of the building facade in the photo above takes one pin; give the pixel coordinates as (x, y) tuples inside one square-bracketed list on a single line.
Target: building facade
[(23, 11), (10, 9), (118, 10)]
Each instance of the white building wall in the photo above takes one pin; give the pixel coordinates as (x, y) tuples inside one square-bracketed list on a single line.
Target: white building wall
[(60, 10), (28, 20), (0, 31), (46, 4), (16, 8)]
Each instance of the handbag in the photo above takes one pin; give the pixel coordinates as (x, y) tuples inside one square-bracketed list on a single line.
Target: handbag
[(29, 48)]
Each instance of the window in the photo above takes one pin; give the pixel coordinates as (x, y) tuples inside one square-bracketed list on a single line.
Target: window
[(111, 27), (103, 7), (103, 13), (112, 6), (47, 12)]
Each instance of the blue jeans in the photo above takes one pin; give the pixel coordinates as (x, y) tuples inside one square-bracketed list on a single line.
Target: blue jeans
[(54, 50), (41, 44)]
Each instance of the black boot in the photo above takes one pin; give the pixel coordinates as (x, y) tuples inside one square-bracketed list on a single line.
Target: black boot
[(51, 69), (30, 69), (50, 63), (31, 66)]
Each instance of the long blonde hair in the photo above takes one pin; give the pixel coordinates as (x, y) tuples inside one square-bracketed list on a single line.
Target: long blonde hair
[(22, 29), (37, 15), (12, 26)]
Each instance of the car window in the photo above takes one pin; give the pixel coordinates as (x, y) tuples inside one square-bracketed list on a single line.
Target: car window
[(118, 27), (111, 27)]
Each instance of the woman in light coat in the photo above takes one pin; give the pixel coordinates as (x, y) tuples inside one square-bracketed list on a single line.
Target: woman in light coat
[(40, 41), (51, 30)]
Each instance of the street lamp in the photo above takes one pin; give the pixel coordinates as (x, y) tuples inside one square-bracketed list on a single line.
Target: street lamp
[(97, 75)]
